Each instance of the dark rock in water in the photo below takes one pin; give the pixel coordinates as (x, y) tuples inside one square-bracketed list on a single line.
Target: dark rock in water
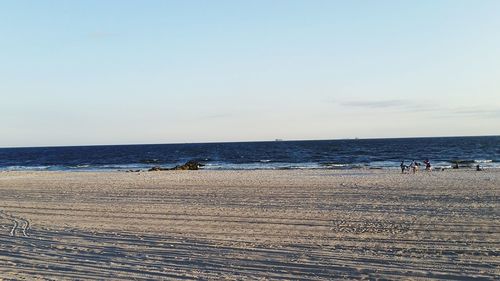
[(190, 165)]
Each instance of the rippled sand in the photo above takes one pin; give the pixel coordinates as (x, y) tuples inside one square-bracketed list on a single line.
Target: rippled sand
[(315, 225)]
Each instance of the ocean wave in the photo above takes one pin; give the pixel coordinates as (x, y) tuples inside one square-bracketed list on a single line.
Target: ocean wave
[(26, 168), (260, 166), (149, 161), (483, 161), (334, 164), (264, 164), (79, 166), (386, 165)]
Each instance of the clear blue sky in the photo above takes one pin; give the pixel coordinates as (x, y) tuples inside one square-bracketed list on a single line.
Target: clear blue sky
[(113, 72)]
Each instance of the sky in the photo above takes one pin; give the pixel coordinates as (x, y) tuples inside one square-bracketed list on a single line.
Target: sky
[(89, 72)]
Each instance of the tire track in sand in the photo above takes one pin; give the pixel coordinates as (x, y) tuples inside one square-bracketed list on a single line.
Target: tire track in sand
[(16, 222), (26, 227)]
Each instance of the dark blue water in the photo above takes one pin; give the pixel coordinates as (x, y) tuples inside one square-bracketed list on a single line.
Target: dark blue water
[(327, 154)]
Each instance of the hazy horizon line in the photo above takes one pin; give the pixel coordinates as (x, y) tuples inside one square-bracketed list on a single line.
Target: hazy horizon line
[(250, 141)]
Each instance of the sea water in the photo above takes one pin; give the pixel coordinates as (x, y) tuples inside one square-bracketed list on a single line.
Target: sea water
[(443, 152)]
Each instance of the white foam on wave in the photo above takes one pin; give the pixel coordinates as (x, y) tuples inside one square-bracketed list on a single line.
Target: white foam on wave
[(25, 168), (483, 161)]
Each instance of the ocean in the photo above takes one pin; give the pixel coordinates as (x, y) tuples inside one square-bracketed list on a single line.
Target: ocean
[(443, 152)]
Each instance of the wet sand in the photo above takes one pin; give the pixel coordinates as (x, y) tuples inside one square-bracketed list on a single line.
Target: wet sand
[(234, 225)]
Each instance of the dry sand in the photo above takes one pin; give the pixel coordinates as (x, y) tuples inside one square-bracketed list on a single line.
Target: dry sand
[(234, 225)]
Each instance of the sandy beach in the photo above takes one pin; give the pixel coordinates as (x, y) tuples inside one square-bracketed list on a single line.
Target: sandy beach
[(256, 225)]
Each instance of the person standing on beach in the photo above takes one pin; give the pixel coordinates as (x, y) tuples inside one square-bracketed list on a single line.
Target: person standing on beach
[(403, 167), (413, 166), (427, 165)]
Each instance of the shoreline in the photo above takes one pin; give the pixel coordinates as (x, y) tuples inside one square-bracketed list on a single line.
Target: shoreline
[(318, 168)]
